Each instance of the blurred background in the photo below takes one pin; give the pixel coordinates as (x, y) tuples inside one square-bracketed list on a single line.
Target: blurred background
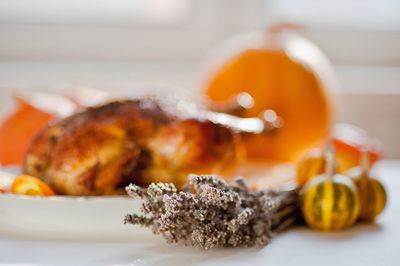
[(122, 45)]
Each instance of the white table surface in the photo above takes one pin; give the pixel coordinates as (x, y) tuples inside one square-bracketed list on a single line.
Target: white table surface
[(363, 244)]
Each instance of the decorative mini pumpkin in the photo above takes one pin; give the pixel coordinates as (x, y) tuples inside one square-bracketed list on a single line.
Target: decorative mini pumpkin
[(284, 72), (311, 165), (330, 201), (372, 193)]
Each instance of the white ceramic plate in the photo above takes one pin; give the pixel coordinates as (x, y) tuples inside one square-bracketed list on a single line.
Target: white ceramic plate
[(68, 217), (65, 216)]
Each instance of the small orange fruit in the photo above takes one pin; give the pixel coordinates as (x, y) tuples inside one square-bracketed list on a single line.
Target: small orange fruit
[(31, 186)]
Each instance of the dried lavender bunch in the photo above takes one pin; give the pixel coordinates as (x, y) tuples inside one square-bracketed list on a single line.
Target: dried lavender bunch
[(210, 213)]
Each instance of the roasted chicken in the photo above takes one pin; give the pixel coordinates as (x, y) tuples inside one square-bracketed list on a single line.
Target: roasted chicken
[(100, 150)]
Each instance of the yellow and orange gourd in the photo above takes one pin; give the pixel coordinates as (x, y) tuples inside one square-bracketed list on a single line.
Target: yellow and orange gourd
[(330, 201), (312, 164), (372, 193)]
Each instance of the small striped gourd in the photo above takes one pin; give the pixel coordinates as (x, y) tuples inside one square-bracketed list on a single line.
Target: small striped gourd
[(330, 201), (372, 194), (312, 164)]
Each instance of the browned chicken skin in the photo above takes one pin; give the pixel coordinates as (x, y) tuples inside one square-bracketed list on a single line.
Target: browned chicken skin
[(102, 149)]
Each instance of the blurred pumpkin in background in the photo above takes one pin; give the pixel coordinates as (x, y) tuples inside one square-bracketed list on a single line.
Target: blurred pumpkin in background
[(33, 111), (349, 141), (284, 72), (17, 131)]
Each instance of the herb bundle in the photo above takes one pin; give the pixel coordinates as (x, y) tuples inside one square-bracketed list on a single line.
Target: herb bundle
[(210, 213)]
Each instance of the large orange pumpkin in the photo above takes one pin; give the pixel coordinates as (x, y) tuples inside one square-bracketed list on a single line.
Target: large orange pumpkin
[(284, 72)]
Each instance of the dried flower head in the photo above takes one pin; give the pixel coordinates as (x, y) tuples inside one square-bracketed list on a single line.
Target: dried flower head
[(210, 213)]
